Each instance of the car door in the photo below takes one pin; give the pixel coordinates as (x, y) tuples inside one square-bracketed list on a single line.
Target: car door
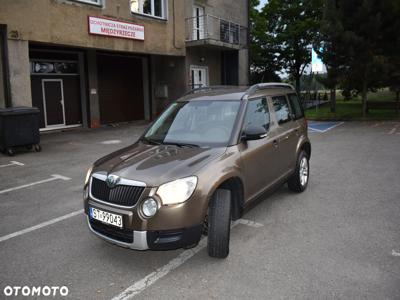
[(287, 135), (259, 157)]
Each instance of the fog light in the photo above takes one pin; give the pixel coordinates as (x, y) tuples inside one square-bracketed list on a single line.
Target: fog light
[(149, 207)]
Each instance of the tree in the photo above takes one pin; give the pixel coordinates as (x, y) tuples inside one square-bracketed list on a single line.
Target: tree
[(360, 41), (330, 49), (263, 63), (291, 27)]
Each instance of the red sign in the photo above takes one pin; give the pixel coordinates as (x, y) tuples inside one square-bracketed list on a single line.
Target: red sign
[(108, 27)]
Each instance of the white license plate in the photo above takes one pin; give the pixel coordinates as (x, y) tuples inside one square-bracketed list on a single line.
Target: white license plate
[(105, 217)]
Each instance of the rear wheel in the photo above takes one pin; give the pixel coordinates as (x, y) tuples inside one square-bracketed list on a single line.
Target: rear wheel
[(219, 224), (299, 180)]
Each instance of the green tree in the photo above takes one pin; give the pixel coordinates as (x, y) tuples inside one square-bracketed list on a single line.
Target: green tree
[(360, 41), (264, 65), (291, 28)]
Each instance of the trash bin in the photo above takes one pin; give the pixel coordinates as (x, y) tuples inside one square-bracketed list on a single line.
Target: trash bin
[(19, 126)]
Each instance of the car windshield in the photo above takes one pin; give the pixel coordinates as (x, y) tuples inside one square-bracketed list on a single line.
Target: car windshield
[(203, 123)]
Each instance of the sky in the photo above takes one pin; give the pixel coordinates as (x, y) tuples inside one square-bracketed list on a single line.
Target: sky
[(262, 3)]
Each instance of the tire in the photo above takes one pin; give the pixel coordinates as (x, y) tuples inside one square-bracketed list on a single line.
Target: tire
[(38, 148), (299, 180), (219, 224)]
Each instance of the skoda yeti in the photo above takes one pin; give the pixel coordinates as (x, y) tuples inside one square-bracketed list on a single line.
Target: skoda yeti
[(198, 166)]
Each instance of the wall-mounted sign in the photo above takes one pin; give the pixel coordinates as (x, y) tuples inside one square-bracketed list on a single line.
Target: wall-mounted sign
[(108, 27)]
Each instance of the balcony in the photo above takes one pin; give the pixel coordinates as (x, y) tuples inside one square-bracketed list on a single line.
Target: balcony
[(211, 31)]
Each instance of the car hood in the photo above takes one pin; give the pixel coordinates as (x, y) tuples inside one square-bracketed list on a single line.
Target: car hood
[(156, 164)]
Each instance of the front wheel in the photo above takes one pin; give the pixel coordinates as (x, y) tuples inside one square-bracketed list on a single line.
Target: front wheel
[(299, 180), (219, 224)]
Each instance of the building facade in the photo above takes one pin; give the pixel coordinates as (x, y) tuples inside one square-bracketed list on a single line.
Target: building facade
[(93, 62)]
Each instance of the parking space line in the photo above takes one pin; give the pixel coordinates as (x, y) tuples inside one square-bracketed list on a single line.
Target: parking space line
[(12, 163), (310, 126), (41, 225), (111, 142), (395, 253), (150, 279), (52, 178)]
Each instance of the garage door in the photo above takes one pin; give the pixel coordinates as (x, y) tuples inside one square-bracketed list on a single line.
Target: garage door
[(120, 88)]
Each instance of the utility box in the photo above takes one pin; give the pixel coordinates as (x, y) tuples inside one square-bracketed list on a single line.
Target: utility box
[(19, 126)]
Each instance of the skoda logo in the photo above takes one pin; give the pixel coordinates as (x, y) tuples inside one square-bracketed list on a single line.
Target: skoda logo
[(112, 181)]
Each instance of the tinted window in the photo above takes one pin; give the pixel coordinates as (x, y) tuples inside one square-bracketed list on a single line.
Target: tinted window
[(281, 108), (296, 106), (257, 114)]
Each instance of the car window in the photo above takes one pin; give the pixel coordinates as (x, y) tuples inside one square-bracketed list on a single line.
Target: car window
[(257, 114), (281, 108), (203, 123), (295, 106)]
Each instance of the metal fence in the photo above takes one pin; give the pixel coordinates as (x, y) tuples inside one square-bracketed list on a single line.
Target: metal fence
[(211, 27)]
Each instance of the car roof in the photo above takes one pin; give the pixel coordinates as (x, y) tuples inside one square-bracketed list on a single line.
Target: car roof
[(234, 93)]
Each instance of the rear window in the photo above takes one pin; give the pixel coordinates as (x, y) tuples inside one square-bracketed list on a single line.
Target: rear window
[(296, 106)]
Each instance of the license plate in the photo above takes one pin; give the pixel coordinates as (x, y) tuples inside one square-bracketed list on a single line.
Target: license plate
[(106, 217)]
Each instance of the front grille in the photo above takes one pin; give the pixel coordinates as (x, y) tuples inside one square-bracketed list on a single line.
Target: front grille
[(125, 195), (122, 235)]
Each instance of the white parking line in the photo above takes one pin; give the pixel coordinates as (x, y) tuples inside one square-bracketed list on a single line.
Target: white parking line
[(41, 225), (395, 253), (52, 178), (141, 285), (111, 142), (392, 131), (12, 163)]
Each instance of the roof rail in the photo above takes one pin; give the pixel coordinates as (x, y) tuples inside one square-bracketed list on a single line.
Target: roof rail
[(209, 88), (263, 86)]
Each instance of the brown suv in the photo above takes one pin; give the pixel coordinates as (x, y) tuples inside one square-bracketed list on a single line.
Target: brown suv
[(198, 166)]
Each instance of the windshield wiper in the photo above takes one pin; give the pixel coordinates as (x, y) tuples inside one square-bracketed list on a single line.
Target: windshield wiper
[(151, 141), (182, 144)]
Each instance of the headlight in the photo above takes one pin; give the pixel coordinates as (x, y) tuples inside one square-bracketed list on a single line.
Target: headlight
[(89, 172), (149, 207), (177, 191)]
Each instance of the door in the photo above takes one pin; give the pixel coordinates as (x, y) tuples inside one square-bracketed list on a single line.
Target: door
[(287, 135), (198, 22), (121, 94), (199, 76), (259, 157), (53, 102)]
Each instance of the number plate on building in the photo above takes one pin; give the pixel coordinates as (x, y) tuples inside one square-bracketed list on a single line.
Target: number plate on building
[(105, 217)]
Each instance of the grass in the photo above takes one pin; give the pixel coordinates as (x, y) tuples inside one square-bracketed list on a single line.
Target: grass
[(350, 110)]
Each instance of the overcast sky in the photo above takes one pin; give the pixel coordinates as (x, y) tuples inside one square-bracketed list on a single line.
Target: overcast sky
[(262, 3)]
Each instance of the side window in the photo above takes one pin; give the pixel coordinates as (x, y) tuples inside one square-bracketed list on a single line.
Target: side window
[(257, 114), (296, 106), (281, 108)]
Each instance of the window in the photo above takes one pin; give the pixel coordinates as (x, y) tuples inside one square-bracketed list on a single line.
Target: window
[(202, 123), (154, 8), (45, 67), (257, 114), (296, 106), (95, 2), (281, 109)]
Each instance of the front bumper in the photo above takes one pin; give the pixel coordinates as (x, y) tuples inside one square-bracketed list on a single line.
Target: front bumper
[(144, 240)]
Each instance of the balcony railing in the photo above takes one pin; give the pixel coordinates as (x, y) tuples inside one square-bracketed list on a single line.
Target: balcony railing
[(208, 27)]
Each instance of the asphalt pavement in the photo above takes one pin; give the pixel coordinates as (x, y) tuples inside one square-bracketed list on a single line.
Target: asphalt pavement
[(340, 239)]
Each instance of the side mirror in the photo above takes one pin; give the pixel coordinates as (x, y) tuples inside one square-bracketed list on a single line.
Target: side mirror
[(254, 133)]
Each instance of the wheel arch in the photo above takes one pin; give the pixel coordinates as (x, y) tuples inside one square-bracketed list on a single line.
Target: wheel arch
[(236, 186)]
